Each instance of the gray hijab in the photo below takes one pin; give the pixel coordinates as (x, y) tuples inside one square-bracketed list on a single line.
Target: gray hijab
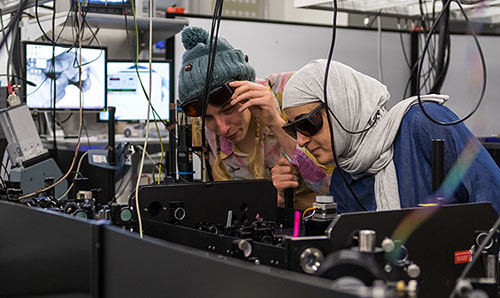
[(357, 100)]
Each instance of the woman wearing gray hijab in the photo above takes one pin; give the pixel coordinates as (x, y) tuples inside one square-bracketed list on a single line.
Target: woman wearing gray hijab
[(388, 164)]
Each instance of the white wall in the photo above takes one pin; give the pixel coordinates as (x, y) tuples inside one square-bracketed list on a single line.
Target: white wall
[(3, 54), (283, 47), (464, 81), (285, 10), (275, 48)]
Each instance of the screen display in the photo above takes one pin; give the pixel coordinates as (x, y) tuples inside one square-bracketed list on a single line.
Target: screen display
[(126, 94), (43, 71), (104, 2)]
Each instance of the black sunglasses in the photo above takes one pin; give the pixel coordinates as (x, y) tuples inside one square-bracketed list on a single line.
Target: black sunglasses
[(219, 96), (308, 124)]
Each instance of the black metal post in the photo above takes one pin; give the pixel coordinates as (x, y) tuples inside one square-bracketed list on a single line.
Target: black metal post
[(414, 60), (289, 196), (111, 151), (184, 153), (437, 163), (172, 144)]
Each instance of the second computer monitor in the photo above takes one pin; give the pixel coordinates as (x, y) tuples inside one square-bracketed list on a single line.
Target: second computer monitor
[(126, 94), (55, 71)]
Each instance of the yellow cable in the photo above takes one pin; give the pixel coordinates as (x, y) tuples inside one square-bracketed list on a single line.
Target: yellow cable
[(307, 210), (144, 90)]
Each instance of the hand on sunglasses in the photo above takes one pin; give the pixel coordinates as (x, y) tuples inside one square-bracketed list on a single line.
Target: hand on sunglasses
[(218, 96), (259, 100)]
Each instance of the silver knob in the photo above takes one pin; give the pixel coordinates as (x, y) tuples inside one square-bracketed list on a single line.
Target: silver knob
[(413, 271), (388, 245), (367, 240)]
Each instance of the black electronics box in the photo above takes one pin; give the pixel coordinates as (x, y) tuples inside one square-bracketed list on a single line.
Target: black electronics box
[(104, 6)]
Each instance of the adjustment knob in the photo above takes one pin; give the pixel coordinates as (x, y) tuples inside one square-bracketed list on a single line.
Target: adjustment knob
[(387, 245)]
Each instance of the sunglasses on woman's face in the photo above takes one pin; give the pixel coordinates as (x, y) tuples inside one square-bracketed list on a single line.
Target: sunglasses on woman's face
[(308, 124), (218, 96)]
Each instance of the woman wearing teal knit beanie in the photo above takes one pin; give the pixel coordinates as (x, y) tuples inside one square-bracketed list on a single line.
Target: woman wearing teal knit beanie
[(244, 126)]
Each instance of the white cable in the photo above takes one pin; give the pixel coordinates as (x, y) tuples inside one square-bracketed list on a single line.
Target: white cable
[(36, 192), (5, 162), (76, 175), (379, 46), (147, 154), (141, 165)]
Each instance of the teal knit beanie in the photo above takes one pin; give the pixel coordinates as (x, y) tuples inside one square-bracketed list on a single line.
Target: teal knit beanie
[(230, 64)]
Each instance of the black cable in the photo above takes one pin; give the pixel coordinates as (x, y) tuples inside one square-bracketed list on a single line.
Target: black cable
[(5, 167), (94, 37), (9, 50), (403, 45), (413, 68), (10, 62), (118, 193), (15, 22), (19, 77), (434, 62), (158, 165), (212, 49), (86, 132), (40, 25), (326, 76), (330, 125), (1, 178), (65, 21), (6, 171), (65, 120), (124, 188), (442, 70), (47, 7), (37, 88), (208, 78), (443, 49), (171, 134), (7, 46), (54, 85), (81, 36), (483, 64), (28, 14), (431, 59), (8, 24), (370, 24), (477, 255), (82, 33)]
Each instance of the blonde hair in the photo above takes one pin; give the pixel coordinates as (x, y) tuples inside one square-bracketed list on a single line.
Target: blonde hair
[(255, 160)]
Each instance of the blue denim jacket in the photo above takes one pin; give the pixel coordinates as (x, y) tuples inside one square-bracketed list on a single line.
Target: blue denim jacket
[(412, 159)]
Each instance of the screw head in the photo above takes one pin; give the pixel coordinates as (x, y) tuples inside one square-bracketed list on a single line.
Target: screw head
[(413, 271)]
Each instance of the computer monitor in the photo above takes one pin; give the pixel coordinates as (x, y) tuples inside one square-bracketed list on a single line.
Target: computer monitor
[(41, 70), (126, 94)]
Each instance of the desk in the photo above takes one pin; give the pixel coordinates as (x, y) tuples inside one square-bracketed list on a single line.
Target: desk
[(98, 142), (99, 177)]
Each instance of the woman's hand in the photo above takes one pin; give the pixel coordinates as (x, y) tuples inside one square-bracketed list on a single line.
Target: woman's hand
[(259, 100), (284, 175)]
